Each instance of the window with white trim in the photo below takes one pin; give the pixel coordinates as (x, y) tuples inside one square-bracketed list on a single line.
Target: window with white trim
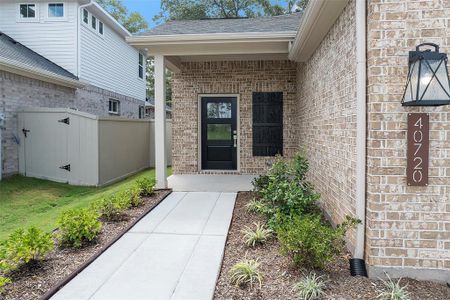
[(141, 66), (114, 106), (27, 11), (85, 16), (94, 22), (100, 27), (56, 10)]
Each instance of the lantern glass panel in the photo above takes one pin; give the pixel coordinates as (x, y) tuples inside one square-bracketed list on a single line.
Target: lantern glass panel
[(432, 85), (411, 89)]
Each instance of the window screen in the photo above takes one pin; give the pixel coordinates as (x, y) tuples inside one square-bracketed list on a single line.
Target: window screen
[(267, 123)]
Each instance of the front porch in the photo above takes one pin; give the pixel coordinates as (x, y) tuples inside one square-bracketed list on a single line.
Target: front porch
[(249, 75)]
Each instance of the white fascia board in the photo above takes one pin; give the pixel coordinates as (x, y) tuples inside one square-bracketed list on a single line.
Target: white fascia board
[(39, 74), (318, 17), (211, 38)]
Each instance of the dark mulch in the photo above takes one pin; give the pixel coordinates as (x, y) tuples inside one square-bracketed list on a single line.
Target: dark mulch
[(280, 275), (34, 281)]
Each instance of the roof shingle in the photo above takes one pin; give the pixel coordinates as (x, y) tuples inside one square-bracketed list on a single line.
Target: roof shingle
[(281, 23), (15, 51)]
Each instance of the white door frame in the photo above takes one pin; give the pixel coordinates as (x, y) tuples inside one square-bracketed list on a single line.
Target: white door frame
[(199, 132)]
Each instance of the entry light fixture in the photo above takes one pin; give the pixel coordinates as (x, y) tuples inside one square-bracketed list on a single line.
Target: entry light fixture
[(428, 83)]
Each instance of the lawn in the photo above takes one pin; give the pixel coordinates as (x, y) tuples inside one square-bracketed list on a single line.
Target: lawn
[(26, 201)]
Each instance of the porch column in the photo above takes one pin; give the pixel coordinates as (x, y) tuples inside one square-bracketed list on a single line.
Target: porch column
[(160, 123)]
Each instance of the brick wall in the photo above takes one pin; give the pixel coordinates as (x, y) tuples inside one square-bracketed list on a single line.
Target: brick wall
[(230, 77), (17, 92), (327, 117), (408, 227)]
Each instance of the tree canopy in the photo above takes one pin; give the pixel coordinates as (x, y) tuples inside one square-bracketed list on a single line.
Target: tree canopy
[(202, 9), (133, 22)]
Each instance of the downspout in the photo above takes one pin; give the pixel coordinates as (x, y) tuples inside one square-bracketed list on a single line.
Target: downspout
[(357, 263), (79, 20)]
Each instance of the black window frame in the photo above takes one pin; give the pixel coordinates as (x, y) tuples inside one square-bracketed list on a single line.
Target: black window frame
[(111, 109), (141, 66), (27, 6), (267, 123), (85, 16), (101, 27), (94, 22)]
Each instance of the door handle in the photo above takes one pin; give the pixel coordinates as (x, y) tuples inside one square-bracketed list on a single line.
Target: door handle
[(234, 138)]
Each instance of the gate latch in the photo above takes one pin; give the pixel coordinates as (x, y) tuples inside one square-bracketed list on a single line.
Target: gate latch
[(65, 121), (25, 131), (66, 167)]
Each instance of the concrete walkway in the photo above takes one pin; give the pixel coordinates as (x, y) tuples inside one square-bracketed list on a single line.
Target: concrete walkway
[(175, 252), (210, 182)]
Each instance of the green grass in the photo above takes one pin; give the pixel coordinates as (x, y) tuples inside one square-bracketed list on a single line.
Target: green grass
[(26, 201)]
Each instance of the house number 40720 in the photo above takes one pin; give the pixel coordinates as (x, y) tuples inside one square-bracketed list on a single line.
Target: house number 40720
[(417, 152)]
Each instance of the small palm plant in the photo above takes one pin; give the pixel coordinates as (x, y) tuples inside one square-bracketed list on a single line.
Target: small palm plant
[(246, 272), (392, 290), (256, 206), (310, 287), (258, 236)]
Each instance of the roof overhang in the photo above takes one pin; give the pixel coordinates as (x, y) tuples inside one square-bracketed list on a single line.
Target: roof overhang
[(105, 17), (211, 45), (39, 74), (318, 17)]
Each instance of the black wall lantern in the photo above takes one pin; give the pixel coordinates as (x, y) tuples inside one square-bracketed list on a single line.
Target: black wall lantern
[(428, 83)]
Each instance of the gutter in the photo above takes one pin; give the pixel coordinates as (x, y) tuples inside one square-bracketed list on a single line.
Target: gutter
[(318, 17), (39, 74), (357, 264)]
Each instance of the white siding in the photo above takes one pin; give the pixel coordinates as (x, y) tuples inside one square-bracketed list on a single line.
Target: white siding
[(55, 40), (110, 63)]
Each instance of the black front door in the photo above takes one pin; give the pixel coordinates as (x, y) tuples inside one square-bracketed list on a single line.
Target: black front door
[(219, 133)]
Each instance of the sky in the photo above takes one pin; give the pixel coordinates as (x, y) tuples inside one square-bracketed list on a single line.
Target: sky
[(150, 8), (147, 8)]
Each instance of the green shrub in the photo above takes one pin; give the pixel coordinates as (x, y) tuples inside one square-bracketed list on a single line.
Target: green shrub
[(3, 281), (113, 207), (310, 242), (310, 287), (146, 185), (135, 196), (258, 236), (284, 189), (25, 246), (77, 226), (299, 166), (260, 182), (393, 290), (246, 272), (288, 197)]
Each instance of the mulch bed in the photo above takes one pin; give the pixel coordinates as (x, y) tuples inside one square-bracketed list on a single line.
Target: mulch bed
[(34, 281), (280, 275)]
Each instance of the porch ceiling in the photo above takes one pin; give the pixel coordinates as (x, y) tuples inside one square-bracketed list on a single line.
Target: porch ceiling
[(213, 47)]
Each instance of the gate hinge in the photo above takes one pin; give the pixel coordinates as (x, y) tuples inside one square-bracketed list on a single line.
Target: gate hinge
[(66, 167), (65, 121)]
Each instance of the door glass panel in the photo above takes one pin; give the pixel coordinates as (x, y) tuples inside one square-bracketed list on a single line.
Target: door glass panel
[(219, 110), (219, 132)]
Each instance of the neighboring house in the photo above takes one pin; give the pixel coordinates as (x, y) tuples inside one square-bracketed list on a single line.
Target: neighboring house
[(149, 109), (64, 54), (247, 89)]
